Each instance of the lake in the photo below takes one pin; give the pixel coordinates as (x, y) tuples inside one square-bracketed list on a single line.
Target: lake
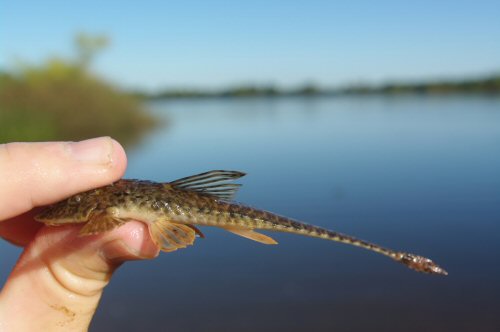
[(413, 173)]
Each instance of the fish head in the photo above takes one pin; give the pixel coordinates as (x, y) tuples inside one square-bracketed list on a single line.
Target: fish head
[(76, 208)]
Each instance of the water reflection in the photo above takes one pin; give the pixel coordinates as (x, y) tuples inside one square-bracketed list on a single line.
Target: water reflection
[(413, 173)]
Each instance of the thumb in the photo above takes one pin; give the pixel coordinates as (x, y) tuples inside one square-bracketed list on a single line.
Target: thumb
[(60, 276)]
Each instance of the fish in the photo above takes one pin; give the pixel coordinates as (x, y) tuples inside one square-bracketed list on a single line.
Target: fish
[(173, 211)]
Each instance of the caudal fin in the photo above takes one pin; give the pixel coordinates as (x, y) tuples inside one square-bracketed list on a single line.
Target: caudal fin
[(421, 264)]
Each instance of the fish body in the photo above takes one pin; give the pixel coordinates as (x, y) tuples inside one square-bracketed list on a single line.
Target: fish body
[(173, 210)]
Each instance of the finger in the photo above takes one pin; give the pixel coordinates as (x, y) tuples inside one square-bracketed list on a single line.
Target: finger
[(20, 230), (35, 174), (59, 279)]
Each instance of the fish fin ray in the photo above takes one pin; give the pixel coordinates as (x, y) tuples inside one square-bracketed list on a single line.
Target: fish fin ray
[(196, 230), (251, 234), (99, 223), (169, 236), (214, 183)]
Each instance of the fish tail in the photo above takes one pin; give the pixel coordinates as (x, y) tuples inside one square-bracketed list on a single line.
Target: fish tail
[(412, 261)]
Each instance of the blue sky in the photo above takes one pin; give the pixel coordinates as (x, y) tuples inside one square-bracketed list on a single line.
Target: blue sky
[(215, 44)]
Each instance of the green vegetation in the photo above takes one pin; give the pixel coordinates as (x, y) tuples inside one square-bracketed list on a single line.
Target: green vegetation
[(488, 85), (62, 100)]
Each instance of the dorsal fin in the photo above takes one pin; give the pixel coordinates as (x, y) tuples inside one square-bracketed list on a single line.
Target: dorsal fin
[(211, 183)]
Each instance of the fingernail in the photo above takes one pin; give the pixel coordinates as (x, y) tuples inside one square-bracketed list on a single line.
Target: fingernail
[(95, 150)]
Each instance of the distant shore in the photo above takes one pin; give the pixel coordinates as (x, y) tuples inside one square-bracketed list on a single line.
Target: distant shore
[(485, 85)]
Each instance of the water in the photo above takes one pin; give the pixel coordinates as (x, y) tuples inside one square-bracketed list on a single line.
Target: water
[(421, 174)]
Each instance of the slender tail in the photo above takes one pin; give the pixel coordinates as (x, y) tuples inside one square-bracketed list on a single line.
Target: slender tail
[(415, 262)]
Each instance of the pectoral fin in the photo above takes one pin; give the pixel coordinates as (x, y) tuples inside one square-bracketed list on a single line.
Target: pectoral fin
[(252, 235), (197, 231), (170, 236), (101, 222)]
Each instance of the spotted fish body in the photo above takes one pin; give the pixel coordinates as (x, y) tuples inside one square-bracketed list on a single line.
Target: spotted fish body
[(174, 210)]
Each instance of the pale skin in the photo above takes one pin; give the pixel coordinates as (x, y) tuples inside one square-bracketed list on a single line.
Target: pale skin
[(59, 278)]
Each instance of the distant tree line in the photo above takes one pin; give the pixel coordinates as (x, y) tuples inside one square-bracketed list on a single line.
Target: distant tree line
[(486, 85)]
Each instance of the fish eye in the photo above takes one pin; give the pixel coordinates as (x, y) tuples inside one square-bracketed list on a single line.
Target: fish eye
[(76, 199)]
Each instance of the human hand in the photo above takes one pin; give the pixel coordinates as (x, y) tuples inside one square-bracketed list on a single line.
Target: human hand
[(58, 280)]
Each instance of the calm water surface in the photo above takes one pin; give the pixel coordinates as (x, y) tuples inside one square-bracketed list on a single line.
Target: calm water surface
[(421, 174)]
